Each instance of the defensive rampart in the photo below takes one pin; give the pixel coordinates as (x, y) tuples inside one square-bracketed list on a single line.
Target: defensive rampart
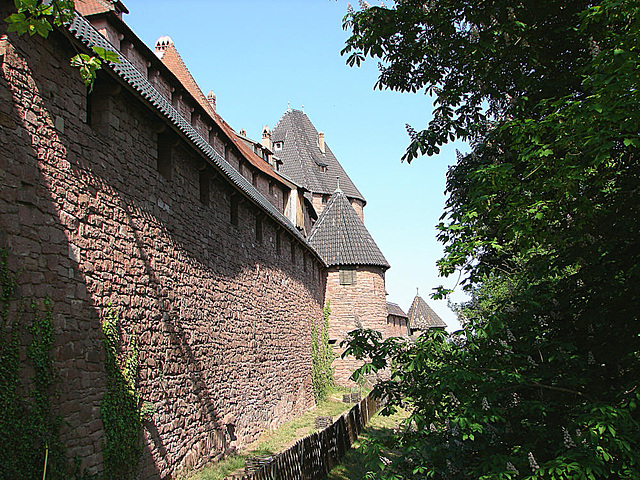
[(104, 201)]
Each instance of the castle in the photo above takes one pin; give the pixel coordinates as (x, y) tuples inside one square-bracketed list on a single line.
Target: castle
[(218, 252)]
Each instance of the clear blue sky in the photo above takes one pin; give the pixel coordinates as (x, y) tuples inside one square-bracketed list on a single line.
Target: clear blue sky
[(258, 56)]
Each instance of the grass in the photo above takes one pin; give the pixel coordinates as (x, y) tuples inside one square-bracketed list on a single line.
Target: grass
[(354, 463), (221, 469), (277, 440)]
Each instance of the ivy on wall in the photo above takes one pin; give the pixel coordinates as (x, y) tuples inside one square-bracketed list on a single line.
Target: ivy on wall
[(29, 443), (122, 410), (321, 358)]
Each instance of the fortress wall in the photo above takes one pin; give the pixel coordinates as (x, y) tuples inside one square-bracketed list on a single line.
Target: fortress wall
[(222, 313)]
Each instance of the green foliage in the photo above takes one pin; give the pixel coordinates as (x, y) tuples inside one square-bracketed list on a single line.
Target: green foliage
[(542, 222), (28, 427), (122, 410), (35, 17), (88, 65), (321, 358), (38, 17)]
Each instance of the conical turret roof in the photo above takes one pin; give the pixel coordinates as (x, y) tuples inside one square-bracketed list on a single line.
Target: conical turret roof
[(340, 237), (422, 317)]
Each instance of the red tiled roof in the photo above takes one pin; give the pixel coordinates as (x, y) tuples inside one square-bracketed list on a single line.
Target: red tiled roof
[(94, 7), (172, 59)]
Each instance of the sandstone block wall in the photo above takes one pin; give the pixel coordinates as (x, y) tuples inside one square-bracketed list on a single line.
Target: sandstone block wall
[(319, 201), (362, 305), (396, 326), (222, 317)]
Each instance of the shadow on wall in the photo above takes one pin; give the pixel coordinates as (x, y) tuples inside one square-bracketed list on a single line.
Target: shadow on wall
[(33, 228), (220, 343)]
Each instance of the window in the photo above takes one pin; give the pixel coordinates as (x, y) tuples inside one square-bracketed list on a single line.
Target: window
[(254, 179), (205, 186), (293, 253), (325, 198), (270, 188), (258, 229), (278, 243), (322, 167), (165, 154), (99, 106), (304, 262), (347, 275), (235, 202), (175, 98), (277, 146)]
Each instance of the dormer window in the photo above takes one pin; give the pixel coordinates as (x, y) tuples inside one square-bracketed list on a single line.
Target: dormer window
[(322, 167), (277, 146)]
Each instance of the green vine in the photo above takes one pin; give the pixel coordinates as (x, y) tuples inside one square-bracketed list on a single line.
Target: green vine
[(28, 428), (321, 358), (122, 410)]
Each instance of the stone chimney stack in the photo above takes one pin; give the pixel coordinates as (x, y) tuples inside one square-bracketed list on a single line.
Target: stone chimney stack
[(321, 141), (162, 44), (266, 138), (211, 98)]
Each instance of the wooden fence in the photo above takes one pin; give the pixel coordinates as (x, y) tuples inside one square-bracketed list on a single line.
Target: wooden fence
[(312, 457)]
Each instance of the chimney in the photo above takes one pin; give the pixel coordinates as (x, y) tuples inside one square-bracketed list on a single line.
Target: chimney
[(321, 141), (162, 44), (266, 138), (118, 8), (211, 98)]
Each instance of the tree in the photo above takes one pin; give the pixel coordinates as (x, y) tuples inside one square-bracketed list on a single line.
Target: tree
[(542, 223)]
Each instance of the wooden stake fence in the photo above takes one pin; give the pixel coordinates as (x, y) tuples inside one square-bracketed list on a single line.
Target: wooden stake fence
[(312, 457)]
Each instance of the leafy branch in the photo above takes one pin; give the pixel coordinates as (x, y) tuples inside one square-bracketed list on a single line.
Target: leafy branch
[(39, 17)]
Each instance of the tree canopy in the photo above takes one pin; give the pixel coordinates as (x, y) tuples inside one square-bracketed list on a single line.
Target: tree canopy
[(542, 222)]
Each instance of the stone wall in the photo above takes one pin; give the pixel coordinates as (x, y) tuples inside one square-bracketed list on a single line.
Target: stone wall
[(396, 326), (221, 314), (358, 206), (361, 305)]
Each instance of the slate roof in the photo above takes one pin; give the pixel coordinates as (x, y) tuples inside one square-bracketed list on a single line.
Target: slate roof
[(394, 309), (341, 238), (82, 29), (301, 157), (422, 317)]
